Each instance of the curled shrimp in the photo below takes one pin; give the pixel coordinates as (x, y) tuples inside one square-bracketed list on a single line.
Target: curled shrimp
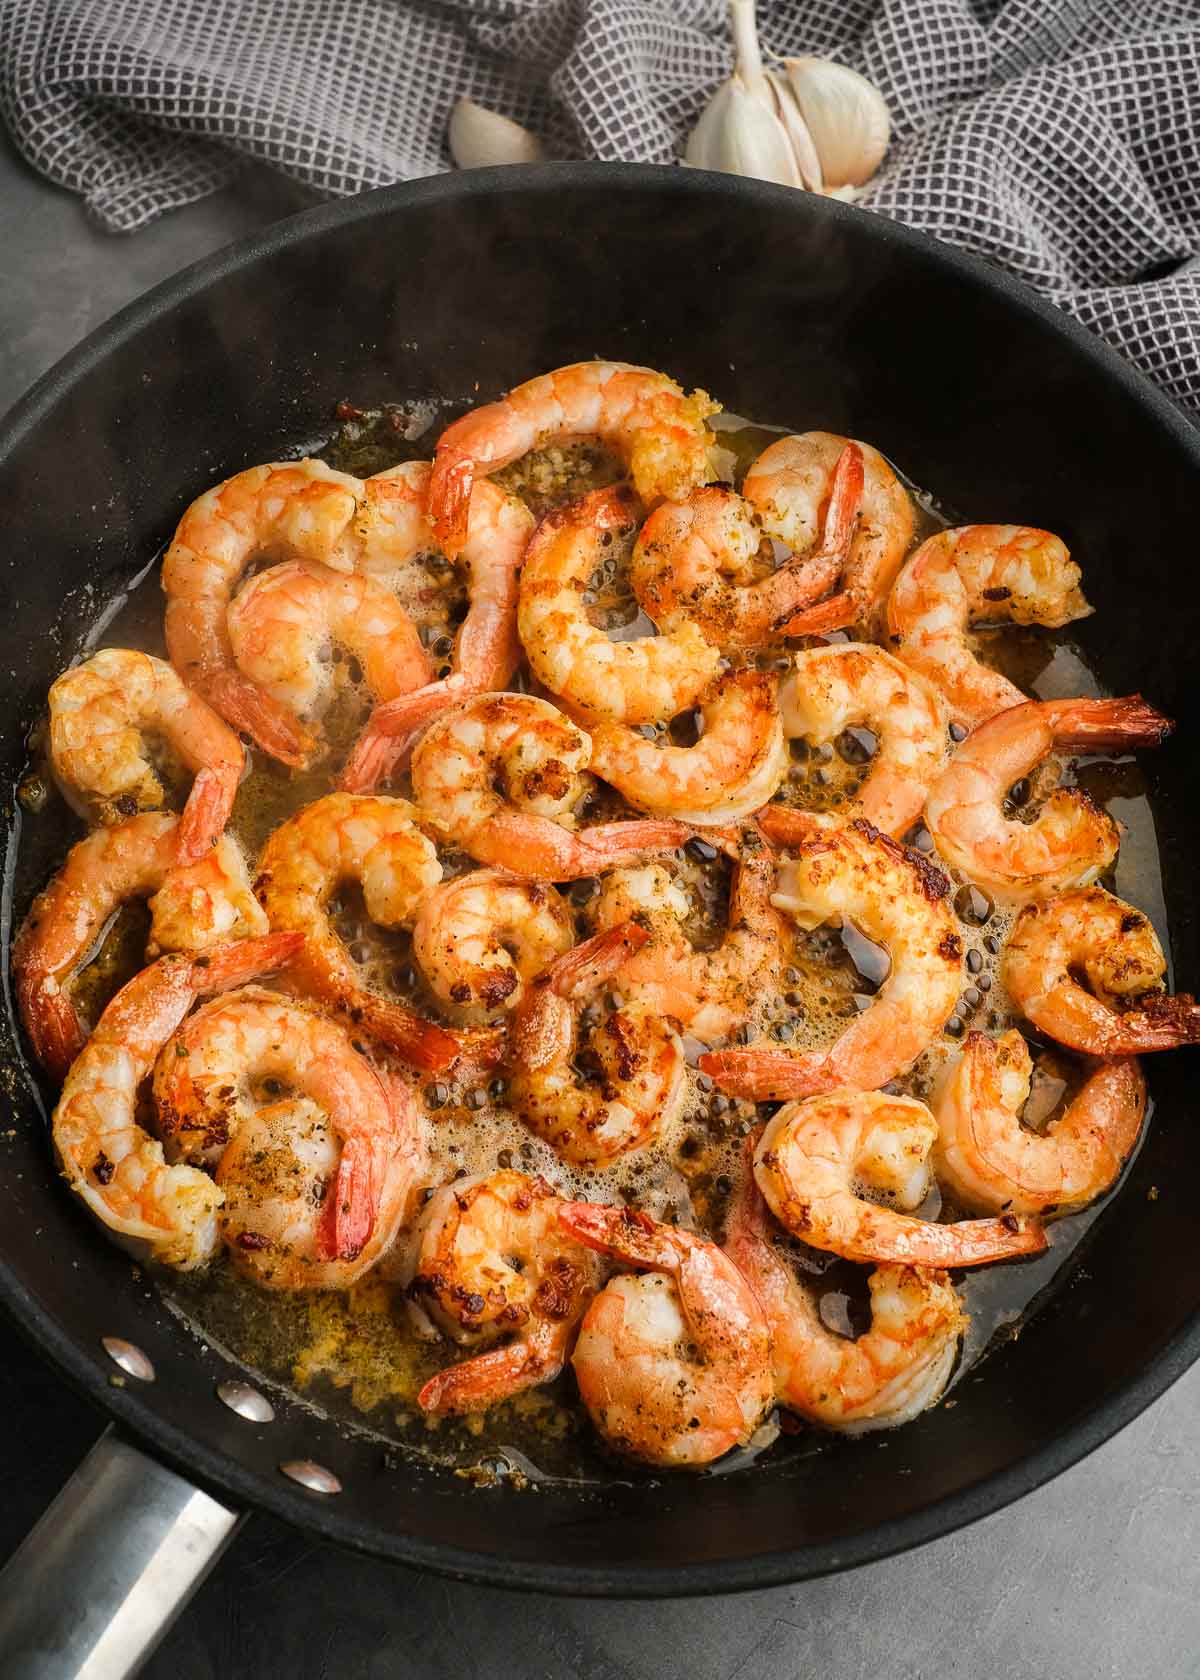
[(852, 684), (790, 484), (192, 906), (284, 621), (992, 1162), (640, 1087), (659, 430), (887, 1376), (315, 1181), (1087, 934), (697, 562), (302, 510), (816, 1157), (374, 840), (673, 1365), (711, 993), (976, 572), (115, 1166), (898, 900), (639, 681), (493, 1262), (479, 940), (501, 776), (735, 766), (103, 713), (1070, 841), (487, 648)]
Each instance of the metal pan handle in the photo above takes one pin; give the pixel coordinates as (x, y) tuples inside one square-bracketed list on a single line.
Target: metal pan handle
[(99, 1580)]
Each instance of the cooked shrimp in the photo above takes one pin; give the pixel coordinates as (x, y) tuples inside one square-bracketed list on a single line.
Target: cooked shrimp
[(711, 993), (854, 684), (300, 510), (977, 572), (283, 623), (735, 766), (697, 560), (192, 907), (992, 1162), (480, 939), (816, 1156), (899, 901), (640, 681), (660, 431), (789, 485), (373, 840), (102, 715), (494, 1262), (1089, 934), (487, 649), (885, 1377), (1070, 841), (317, 1181), (640, 1088), (501, 775), (674, 1366), (168, 1212)]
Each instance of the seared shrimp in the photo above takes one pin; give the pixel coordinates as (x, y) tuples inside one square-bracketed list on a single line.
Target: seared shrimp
[(674, 1366), (487, 649), (117, 1168), (301, 510), (789, 485), (992, 1162), (815, 1157), (102, 715), (1089, 934), (192, 907), (1070, 841), (316, 1181), (640, 1088), (494, 1262), (885, 1377), (735, 766), (899, 901), (480, 939), (830, 689), (640, 681), (660, 431), (711, 993), (373, 840), (500, 776), (696, 562), (284, 621), (978, 572)]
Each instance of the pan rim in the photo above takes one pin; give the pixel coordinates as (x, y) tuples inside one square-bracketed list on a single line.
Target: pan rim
[(226, 1475)]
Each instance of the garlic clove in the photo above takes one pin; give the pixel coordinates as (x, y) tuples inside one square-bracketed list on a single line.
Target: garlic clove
[(479, 137), (804, 152), (739, 134), (846, 116)]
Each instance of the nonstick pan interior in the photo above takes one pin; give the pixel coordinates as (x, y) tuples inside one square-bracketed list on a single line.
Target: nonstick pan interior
[(788, 308)]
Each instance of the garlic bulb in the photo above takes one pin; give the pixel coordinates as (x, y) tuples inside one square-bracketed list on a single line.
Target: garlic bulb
[(479, 137), (812, 123)]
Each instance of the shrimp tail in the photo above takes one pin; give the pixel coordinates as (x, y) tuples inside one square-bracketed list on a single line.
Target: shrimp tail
[(821, 570), (479, 1383), (55, 1031), (766, 1075), (386, 743), (623, 1232), (609, 844), (450, 502), (351, 1204), (422, 1044), (787, 825), (1089, 725), (226, 966), (596, 960), (1160, 1022), (207, 811), (256, 713), (835, 613)]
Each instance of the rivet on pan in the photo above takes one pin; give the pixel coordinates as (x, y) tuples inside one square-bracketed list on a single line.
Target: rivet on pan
[(247, 1402), (131, 1359), (314, 1477)]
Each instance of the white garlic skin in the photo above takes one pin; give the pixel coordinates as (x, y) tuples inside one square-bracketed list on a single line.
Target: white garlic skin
[(846, 116), (480, 138), (739, 134)]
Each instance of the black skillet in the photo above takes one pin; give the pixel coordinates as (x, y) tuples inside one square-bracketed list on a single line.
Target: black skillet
[(791, 309)]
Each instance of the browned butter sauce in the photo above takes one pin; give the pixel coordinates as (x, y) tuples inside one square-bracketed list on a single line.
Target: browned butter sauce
[(362, 1356)]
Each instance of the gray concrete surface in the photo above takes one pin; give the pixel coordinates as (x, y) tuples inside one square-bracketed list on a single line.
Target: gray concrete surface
[(1094, 1576)]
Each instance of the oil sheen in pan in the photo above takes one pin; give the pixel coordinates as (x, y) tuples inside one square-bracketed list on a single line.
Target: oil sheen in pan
[(361, 1357)]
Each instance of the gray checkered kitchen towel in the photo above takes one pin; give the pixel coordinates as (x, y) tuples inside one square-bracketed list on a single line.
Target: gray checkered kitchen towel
[(1060, 138)]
